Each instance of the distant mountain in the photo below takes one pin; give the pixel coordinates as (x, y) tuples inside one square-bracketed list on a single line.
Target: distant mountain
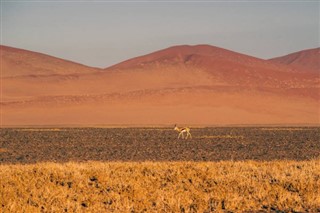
[(201, 56), (223, 67), (19, 62), (185, 54), (195, 85), (306, 60)]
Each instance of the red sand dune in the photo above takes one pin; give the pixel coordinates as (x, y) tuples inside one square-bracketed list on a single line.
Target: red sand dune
[(19, 62), (223, 66), (195, 85), (306, 60)]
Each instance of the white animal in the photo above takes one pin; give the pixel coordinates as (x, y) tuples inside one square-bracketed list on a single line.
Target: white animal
[(182, 131)]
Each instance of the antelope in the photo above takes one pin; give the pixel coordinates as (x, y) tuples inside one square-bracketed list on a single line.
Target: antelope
[(182, 131)]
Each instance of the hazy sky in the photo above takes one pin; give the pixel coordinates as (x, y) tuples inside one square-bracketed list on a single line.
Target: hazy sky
[(102, 33)]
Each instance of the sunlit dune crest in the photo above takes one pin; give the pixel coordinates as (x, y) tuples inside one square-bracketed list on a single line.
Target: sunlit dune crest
[(306, 60), (19, 62)]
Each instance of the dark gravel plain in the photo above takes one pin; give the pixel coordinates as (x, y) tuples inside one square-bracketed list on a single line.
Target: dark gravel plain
[(32, 145)]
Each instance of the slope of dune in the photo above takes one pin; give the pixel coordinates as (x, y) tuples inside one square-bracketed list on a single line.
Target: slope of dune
[(224, 66), (306, 60), (184, 54), (196, 85), (210, 58), (19, 62)]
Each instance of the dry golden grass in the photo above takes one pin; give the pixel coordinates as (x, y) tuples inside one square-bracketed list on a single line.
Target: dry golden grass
[(222, 136), (3, 150), (161, 187), (285, 129), (41, 130)]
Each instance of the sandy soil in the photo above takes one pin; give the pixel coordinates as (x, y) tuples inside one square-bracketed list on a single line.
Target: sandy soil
[(197, 85)]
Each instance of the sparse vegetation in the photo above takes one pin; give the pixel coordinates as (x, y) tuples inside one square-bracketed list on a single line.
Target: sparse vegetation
[(61, 145), (276, 186), (274, 169)]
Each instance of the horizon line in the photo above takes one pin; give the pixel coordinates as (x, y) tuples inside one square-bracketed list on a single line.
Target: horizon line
[(178, 45)]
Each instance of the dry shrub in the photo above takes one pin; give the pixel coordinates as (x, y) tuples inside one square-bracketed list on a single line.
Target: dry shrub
[(161, 187)]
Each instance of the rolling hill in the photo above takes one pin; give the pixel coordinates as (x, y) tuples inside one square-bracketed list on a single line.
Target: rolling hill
[(305, 60), (195, 85), (223, 66), (19, 62)]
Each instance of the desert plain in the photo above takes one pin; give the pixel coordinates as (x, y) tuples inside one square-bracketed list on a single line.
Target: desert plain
[(82, 139)]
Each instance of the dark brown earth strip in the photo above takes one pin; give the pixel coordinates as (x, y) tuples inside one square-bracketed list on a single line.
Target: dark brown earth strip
[(149, 144)]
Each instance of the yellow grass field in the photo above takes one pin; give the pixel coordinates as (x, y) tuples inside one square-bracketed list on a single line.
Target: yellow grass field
[(248, 186)]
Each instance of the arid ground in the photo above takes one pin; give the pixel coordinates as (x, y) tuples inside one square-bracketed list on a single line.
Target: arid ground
[(225, 169), (199, 84), (32, 145)]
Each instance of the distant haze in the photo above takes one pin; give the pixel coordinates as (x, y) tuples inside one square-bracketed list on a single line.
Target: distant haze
[(103, 33)]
